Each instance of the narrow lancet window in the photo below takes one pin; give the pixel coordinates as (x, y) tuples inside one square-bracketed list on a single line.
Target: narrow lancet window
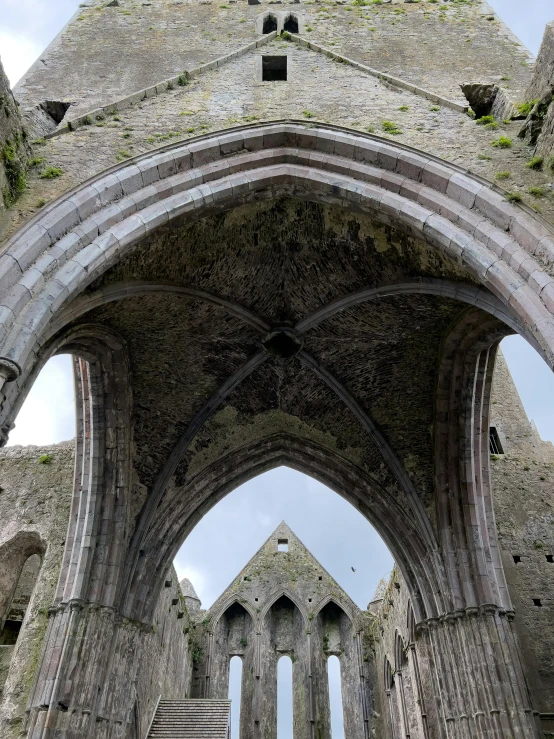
[(284, 699), (270, 24), (335, 697), (235, 690), (291, 24), (495, 445)]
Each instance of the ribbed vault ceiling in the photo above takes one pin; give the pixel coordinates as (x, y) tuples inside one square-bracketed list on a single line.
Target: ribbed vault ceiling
[(283, 260)]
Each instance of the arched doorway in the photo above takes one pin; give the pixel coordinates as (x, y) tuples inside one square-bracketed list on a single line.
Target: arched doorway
[(428, 242)]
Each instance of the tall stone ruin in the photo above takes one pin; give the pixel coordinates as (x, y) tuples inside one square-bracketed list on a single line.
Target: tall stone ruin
[(276, 233)]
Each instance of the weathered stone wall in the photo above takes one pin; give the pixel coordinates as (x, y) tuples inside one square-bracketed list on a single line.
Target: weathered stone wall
[(285, 603), (523, 480), (35, 496), (107, 51), (13, 151), (541, 89), (165, 665), (318, 87)]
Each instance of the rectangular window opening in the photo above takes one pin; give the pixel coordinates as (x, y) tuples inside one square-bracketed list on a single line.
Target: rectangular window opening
[(282, 545), (274, 68), (537, 602), (550, 558), (517, 558), (495, 446)]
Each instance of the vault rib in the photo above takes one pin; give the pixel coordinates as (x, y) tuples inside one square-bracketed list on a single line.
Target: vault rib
[(367, 423)]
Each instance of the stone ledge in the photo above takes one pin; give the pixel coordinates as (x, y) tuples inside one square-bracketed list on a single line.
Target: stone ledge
[(158, 88)]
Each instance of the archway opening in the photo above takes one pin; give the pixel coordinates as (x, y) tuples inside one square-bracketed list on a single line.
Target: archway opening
[(270, 23), (285, 718), (335, 697), (48, 414), (235, 691), (20, 600), (291, 24)]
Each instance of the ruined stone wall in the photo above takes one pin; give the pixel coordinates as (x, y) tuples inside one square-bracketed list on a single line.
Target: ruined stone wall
[(523, 481), (285, 603), (13, 151), (109, 50), (165, 665), (35, 497), (541, 90)]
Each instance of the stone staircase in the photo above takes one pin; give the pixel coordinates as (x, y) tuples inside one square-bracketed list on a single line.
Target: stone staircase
[(191, 719)]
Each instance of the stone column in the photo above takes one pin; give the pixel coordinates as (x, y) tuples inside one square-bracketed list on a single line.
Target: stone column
[(85, 687), (474, 676)]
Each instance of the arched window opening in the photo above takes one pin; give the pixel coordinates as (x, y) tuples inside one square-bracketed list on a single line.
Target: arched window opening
[(335, 697), (284, 698), (291, 24), (270, 24), (235, 690), (52, 400), (20, 601)]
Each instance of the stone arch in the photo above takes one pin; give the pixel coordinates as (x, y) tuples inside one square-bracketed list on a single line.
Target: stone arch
[(91, 567), (292, 23), (504, 249), (269, 23), (217, 612), (15, 555), (233, 634), (276, 595), (415, 553), (283, 633), (335, 633), (468, 221), (343, 606)]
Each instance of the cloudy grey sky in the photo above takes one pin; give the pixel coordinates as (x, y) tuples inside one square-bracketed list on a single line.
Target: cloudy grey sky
[(230, 534)]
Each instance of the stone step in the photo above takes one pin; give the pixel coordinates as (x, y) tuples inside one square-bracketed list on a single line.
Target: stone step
[(191, 719)]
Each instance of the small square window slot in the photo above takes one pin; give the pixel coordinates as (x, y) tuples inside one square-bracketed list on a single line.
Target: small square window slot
[(256, 600), (517, 558), (309, 600), (320, 578), (282, 545), (495, 445), (550, 558), (274, 68), (537, 602)]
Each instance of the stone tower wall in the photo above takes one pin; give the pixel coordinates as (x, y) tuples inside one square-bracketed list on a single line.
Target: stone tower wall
[(13, 151), (121, 93)]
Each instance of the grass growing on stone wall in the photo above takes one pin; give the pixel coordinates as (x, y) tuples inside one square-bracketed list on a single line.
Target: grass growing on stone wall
[(390, 127), (536, 191), (535, 162), (513, 197), (14, 171), (45, 459), (502, 142), (502, 175), (525, 108), (51, 173)]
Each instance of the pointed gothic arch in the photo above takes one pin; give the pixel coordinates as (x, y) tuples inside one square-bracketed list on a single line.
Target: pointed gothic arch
[(501, 250)]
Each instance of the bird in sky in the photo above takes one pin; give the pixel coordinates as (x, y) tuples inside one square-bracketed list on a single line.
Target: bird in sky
[(353, 570)]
